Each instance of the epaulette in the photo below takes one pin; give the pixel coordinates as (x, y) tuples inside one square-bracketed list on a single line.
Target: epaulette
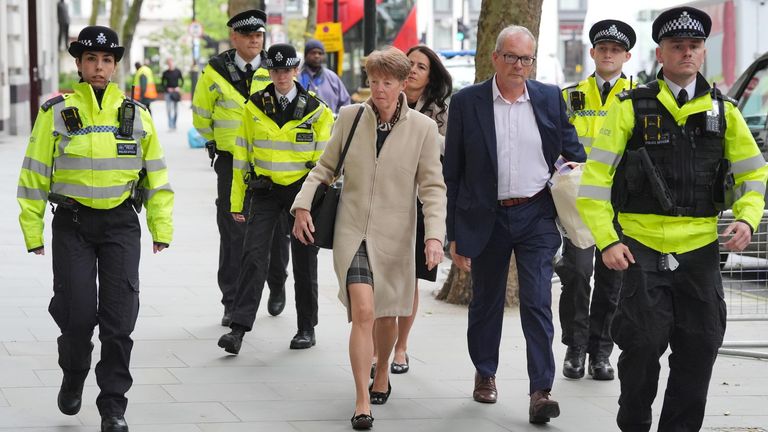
[(624, 95), (725, 97), (642, 91), (571, 87), (52, 101), (140, 105)]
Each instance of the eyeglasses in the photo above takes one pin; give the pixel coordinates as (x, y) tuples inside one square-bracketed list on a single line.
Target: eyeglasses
[(512, 59)]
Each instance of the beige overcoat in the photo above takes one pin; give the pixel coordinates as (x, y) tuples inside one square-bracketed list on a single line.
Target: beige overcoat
[(378, 202)]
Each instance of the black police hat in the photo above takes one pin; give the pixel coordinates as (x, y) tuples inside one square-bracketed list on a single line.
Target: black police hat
[(281, 56), (253, 20), (613, 31), (96, 38), (681, 22)]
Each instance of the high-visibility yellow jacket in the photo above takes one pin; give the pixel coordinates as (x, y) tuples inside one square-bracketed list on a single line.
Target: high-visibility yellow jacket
[(668, 234), (285, 154), (150, 92), (588, 119), (217, 108), (92, 165)]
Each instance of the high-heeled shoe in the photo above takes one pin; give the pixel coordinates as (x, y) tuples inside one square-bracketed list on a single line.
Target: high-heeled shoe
[(373, 370), (400, 368), (362, 421), (379, 398)]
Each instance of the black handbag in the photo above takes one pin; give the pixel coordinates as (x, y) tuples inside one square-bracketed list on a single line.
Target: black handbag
[(326, 199), (175, 96)]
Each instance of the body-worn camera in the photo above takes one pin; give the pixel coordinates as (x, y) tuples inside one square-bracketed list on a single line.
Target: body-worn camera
[(210, 146)]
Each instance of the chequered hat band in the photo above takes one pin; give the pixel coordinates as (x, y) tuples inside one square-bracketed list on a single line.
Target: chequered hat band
[(289, 62), (612, 33), (684, 23), (251, 21)]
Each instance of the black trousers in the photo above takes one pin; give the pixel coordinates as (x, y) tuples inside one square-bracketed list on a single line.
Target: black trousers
[(683, 309), (90, 244), (584, 324), (268, 207), (232, 235)]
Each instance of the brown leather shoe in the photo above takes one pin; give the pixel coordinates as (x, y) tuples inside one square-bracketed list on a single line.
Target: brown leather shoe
[(485, 389), (542, 408)]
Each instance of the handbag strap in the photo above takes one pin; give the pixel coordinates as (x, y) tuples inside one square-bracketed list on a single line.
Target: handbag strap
[(337, 171)]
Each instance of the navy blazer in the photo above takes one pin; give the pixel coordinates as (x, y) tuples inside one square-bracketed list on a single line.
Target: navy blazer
[(471, 168)]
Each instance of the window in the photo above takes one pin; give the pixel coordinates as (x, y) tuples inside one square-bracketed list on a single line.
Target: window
[(754, 101)]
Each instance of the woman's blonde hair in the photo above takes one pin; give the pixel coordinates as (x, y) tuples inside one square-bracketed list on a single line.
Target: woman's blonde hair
[(388, 62)]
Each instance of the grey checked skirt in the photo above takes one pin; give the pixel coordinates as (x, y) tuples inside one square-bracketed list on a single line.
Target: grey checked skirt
[(360, 271)]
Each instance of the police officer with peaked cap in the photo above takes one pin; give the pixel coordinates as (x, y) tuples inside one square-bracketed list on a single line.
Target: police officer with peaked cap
[(283, 134), (217, 107), (585, 321), (671, 153), (95, 156)]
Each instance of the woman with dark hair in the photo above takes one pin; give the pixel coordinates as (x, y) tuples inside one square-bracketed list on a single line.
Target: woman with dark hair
[(428, 86)]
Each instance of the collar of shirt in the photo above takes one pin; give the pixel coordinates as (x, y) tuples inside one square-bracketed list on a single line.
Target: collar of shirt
[(255, 63), (675, 89), (599, 80), (497, 93), (291, 94)]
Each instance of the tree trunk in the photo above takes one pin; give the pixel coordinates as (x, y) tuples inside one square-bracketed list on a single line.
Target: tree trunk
[(129, 30), (311, 20), (237, 6), (95, 5), (495, 15)]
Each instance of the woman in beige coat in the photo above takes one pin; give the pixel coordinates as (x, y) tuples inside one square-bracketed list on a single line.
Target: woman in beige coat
[(393, 155)]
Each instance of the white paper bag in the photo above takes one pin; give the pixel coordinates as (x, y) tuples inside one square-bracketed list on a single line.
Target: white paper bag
[(564, 185)]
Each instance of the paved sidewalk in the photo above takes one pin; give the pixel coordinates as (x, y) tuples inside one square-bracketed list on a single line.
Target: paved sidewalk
[(184, 383)]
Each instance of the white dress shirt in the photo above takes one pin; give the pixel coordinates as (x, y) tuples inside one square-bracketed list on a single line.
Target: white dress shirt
[(255, 63), (675, 89), (600, 81), (291, 94), (523, 171)]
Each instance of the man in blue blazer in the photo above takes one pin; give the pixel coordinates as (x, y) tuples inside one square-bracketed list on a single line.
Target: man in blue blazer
[(504, 136)]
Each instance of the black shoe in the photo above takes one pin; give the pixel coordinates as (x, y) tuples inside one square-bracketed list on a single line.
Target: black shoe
[(362, 422), (114, 424), (71, 394), (379, 398), (573, 366), (600, 368), (226, 320), (276, 302), (232, 341), (303, 339), (398, 368)]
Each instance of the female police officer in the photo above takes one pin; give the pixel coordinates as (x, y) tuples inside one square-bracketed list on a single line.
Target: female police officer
[(94, 154)]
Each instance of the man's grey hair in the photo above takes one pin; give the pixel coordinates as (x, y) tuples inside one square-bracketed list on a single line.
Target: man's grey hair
[(513, 30)]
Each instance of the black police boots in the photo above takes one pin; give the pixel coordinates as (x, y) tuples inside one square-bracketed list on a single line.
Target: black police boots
[(232, 341), (303, 339), (573, 366), (71, 393), (600, 368), (113, 424), (276, 302)]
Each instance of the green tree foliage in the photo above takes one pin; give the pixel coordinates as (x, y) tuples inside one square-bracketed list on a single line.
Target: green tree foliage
[(212, 14)]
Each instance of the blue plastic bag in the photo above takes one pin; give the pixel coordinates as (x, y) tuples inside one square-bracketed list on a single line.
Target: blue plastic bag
[(195, 139)]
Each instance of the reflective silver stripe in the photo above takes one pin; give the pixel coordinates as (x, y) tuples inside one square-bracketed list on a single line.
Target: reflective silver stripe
[(138, 133), (262, 78), (65, 162), (227, 103), (241, 142), (287, 146), (595, 192), (281, 166), (216, 87), (241, 165), (586, 141), (155, 164), (750, 164), (202, 112), (150, 193), (37, 167), (604, 156), (90, 191), (750, 186), (321, 145), (31, 193), (59, 128), (204, 131), (226, 124)]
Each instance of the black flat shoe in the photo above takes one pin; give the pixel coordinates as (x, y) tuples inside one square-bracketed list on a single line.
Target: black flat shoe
[(400, 368), (362, 422), (380, 398), (373, 370)]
